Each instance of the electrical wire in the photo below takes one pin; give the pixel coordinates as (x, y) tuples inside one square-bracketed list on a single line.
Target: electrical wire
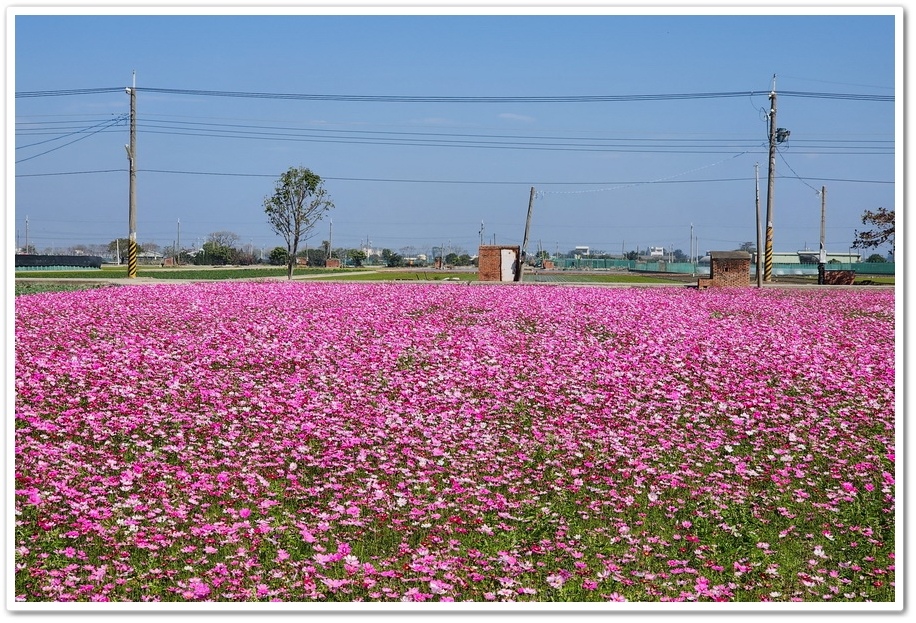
[(460, 99), (434, 181), (111, 123)]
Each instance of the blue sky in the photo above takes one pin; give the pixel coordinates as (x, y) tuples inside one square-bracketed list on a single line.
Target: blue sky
[(612, 175)]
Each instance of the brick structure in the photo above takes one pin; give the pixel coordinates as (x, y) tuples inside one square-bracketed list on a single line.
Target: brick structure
[(497, 263), (332, 262), (728, 268)]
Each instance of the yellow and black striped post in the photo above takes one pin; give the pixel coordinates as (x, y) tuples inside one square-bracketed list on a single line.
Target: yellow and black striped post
[(132, 257), (132, 156), (768, 252)]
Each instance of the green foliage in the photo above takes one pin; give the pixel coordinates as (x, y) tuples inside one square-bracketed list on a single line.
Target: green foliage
[(876, 258), (298, 203), (357, 256), (882, 221), (214, 254), (392, 259), (37, 288), (120, 245), (279, 256)]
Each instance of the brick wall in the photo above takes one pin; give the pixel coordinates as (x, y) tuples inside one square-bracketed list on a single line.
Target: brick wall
[(332, 263), (730, 272), (488, 263)]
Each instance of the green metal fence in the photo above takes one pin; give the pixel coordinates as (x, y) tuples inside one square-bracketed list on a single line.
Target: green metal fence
[(688, 268)]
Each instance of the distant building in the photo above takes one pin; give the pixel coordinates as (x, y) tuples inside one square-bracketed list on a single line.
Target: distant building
[(656, 251)]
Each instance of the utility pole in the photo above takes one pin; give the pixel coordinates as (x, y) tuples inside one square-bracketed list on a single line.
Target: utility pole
[(481, 233), (178, 245), (757, 203), (777, 135), (330, 231), (690, 251), (26, 234), (822, 258), (521, 259), (768, 259), (132, 156)]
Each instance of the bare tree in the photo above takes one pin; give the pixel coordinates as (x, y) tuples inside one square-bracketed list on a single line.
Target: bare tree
[(226, 239), (298, 203)]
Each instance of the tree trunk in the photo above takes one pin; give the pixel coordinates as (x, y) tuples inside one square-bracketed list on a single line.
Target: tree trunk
[(289, 267)]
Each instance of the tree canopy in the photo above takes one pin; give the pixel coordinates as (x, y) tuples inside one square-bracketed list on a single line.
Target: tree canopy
[(882, 222), (298, 203)]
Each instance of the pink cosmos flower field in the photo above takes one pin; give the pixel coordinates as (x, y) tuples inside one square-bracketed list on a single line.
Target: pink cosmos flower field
[(301, 442)]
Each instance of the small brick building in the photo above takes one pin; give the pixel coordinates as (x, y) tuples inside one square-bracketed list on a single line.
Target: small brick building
[(728, 268), (497, 263)]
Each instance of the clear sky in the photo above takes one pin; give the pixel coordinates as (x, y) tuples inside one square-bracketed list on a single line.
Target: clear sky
[(429, 129)]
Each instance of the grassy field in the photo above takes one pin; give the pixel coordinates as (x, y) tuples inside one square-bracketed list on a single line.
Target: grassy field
[(89, 278), (326, 274), (196, 273)]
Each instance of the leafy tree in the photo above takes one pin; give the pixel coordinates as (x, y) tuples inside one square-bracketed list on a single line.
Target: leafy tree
[(392, 259), (313, 256), (876, 258), (632, 255), (298, 203), (119, 246), (279, 256), (882, 222), (357, 256), (215, 254)]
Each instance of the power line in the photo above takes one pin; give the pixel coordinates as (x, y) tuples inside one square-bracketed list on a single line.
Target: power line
[(435, 181), (460, 99), (117, 120)]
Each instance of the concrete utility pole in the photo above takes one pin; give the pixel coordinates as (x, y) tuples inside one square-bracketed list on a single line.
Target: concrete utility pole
[(132, 156), (521, 259), (822, 258), (757, 203), (768, 260)]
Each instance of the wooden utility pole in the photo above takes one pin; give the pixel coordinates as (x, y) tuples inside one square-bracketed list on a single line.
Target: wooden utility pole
[(132, 210), (521, 259), (768, 259)]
